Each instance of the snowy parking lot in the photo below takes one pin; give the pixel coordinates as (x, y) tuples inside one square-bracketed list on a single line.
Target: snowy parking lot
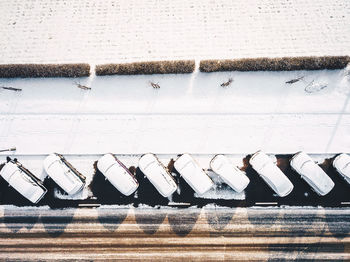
[(190, 113), (99, 192), (203, 114), (234, 113)]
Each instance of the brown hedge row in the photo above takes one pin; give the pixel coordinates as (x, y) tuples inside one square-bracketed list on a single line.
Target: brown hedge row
[(44, 70), (275, 64), (147, 68)]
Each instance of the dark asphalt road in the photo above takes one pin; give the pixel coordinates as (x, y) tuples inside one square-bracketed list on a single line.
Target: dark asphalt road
[(175, 234)]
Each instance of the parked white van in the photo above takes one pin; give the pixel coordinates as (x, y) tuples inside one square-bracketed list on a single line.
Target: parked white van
[(64, 174), (193, 174), (157, 174), (229, 173), (271, 174), (342, 164), (23, 181), (319, 181), (118, 174)]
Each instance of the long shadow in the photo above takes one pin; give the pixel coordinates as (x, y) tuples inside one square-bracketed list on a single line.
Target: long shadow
[(218, 218), (148, 220), (257, 190), (106, 193), (147, 194), (56, 224), (183, 221), (112, 219), (52, 201), (302, 193), (340, 192), (184, 193), (9, 196), (21, 220)]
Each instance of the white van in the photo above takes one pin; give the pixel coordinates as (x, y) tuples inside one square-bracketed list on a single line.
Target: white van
[(231, 174), (118, 174), (271, 174), (23, 181), (319, 181), (64, 174), (193, 174), (157, 174), (342, 164)]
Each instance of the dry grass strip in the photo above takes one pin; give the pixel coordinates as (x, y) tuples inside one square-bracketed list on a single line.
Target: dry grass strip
[(147, 68), (44, 70), (275, 64)]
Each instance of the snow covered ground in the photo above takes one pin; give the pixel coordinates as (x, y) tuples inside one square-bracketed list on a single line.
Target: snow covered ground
[(189, 113), (93, 31)]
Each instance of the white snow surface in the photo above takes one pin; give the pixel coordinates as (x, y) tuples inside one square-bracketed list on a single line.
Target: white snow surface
[(93, 31), (189, 113)]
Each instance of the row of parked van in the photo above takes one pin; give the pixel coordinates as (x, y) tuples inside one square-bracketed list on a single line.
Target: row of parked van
[(71, 181)]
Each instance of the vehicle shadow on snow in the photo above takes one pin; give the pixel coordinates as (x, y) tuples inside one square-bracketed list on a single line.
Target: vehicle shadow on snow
[(257, 190), (146, 193), (106, 193), (302, 194)]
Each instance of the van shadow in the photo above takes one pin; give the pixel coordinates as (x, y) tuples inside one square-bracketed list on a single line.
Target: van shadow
[(51, 200), (182, 221), (112, 219), (106, 193), (56, 224), (15, 221), (302, 193), (257, 190), (9, 196), (184, 193), (340, 192), (146, 193)]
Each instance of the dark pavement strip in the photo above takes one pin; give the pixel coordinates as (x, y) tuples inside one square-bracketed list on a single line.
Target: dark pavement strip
[(175, 234)]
